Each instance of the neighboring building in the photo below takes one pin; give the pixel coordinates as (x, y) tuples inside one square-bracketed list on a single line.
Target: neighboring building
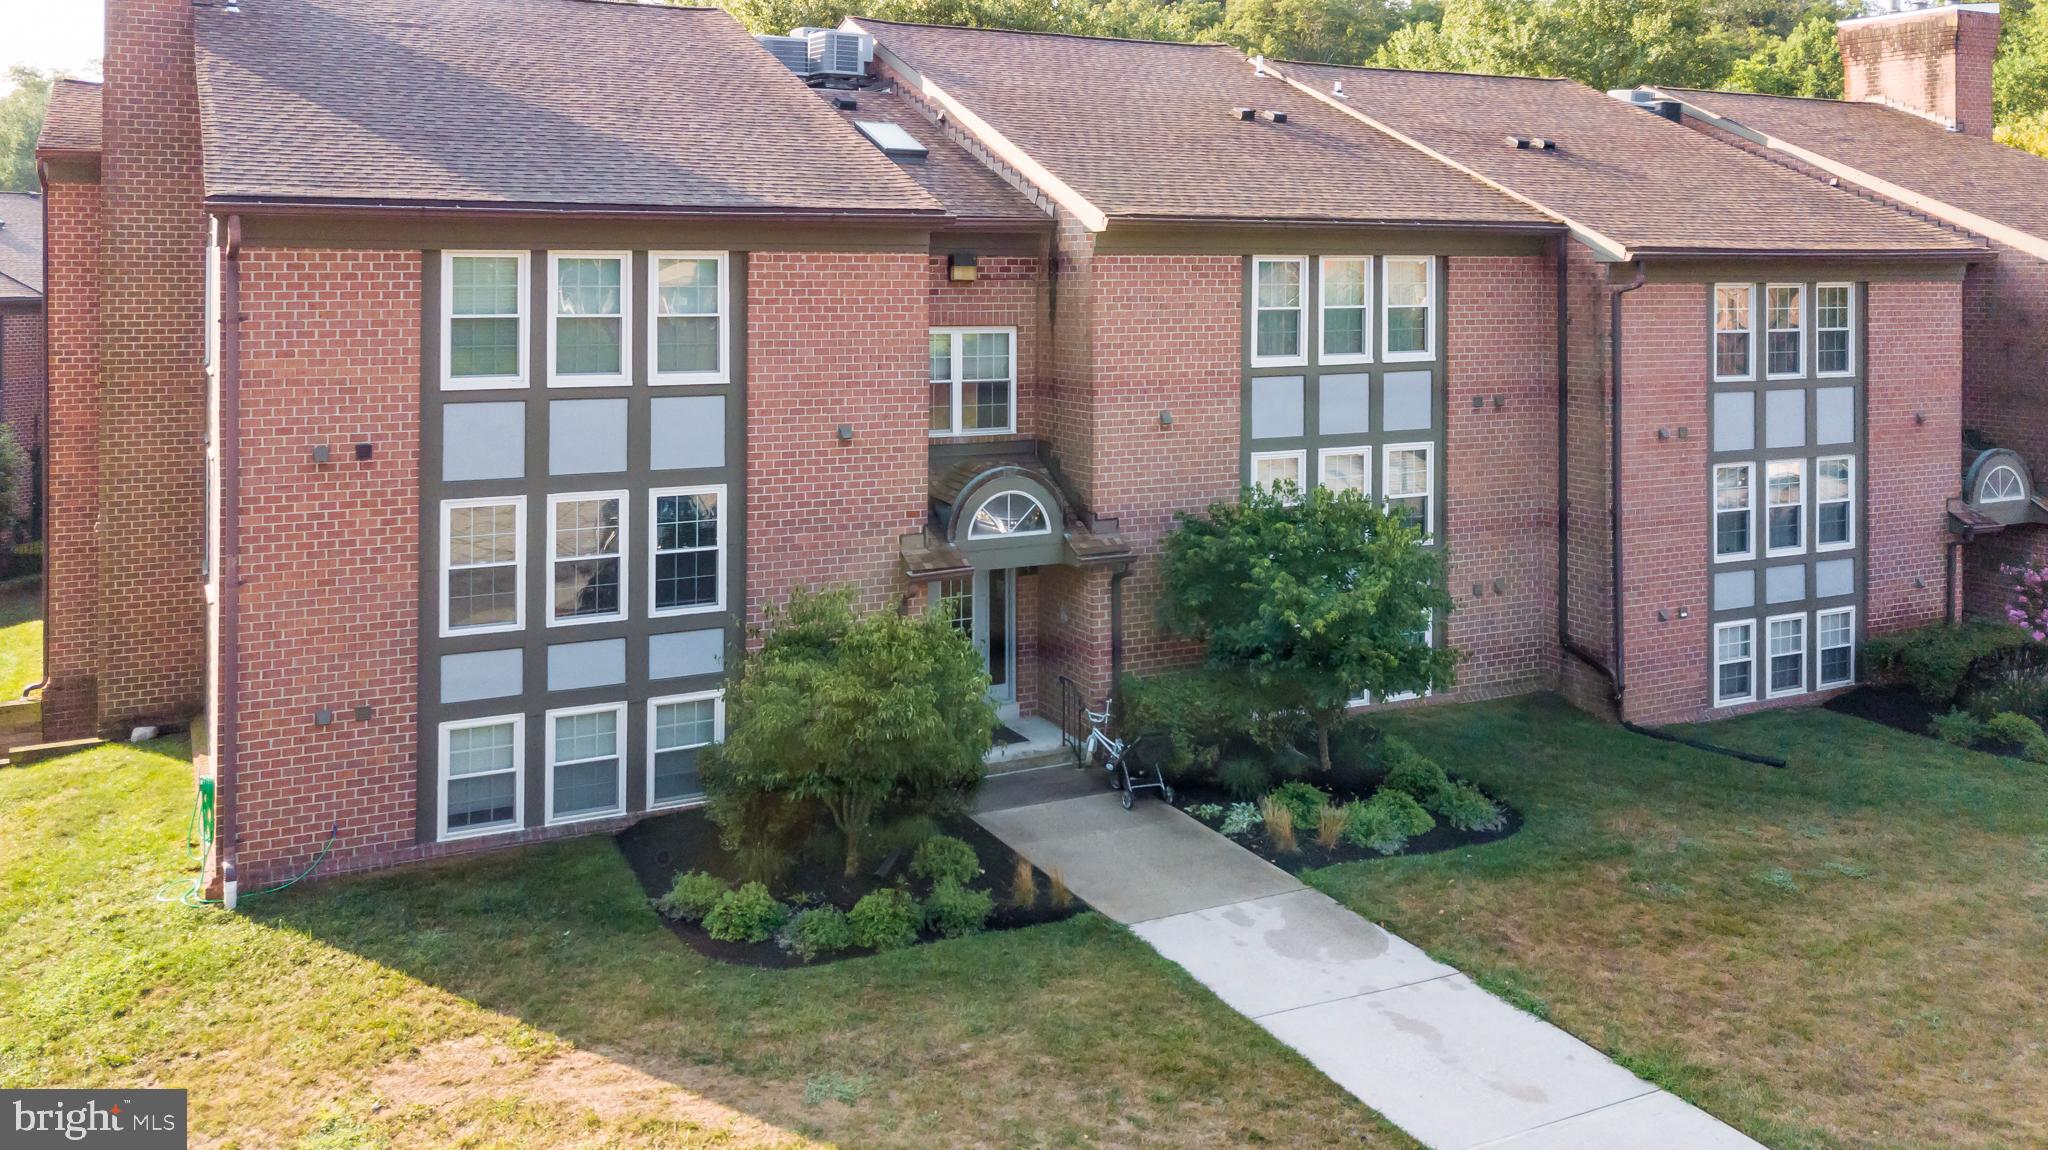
[(22, 356), (436, 406)]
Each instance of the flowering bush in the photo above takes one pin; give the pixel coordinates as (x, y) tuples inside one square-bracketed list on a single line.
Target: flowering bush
[(2029, 604)]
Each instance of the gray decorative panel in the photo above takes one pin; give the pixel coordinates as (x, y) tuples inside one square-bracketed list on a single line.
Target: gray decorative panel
[(483, 441), (1833, 578), (1785, 418), (1834, 415), (1344, 404), (586, 436), (1734, 590), (1785, 584), (481, 675), (687, 431), (1277, 407), (1734, 421), (1405, 402), (600, 663), (680, 654)]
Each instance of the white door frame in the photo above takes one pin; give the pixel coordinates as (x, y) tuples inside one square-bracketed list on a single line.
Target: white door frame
[(1004, 693)]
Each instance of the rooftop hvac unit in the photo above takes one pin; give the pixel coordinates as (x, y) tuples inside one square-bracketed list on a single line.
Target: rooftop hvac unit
[(793, 51), (840, 53)]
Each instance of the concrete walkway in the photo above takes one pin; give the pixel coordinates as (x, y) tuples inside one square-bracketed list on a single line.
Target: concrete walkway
[(1410, 1037)]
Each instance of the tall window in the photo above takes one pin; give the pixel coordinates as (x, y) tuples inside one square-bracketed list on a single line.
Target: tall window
[(482, 588), (1834, 341), (688, 333), (688, 562), (1408, 482), (1347, 469), (586, 765), (1276, 470), (1278, 284), (1836, 642), (1785, 503), (483, 320), (1410, 294), (480, 768), (1734, 330), (678, 728), (1788, 655), (1785, 331), (1734, 510), (1347, 309), (1834, 503), (587, 557), (1734, 663), (973, 381), (591, 294)]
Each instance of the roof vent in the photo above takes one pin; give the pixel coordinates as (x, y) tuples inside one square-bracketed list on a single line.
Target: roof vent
[(840, 53), (1649, 100), (1337, 88), (845, 103), (892, 139), (1532, 143), (793, 51), (1245, 114), (1276, 117)]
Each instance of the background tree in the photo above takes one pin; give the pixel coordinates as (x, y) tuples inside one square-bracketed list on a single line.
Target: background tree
[(1805, 62), (1319, 599), (853, 712), (21, 121)]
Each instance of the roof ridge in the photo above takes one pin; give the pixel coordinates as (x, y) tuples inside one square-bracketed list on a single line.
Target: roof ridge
[(1433, 72), (858, 19)]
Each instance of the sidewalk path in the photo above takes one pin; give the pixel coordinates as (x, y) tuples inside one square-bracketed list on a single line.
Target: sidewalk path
[(1412, 1038)]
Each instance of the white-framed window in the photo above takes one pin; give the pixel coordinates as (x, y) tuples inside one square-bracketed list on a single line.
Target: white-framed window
[(590, 294), (1834, 503), (1409, 478), (483, 577), (686, 563), (1408, 326), (2002, 485), (1734, 511), (954, 597), (1427, 637), (586, 772), (1345, 469), (1271, 469), (1345, 298), (1734, 332), (1835, 646), (1784, 331), (586, 557), (1007, 514), (1734, 662), (973, 380), (1279, 311), (1784, 507), (1786, 669), (1834, 329), (678, 727), (484, 333), (482, 776), (688, 332)]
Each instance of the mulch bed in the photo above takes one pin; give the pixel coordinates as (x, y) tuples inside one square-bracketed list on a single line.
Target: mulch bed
[(1901, 708), (660, 848)]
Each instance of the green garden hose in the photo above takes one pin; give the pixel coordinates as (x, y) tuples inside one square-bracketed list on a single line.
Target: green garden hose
[(199, 831)]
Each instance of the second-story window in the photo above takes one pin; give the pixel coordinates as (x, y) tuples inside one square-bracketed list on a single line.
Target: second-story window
[(483, 320), (688, 329), (590, 294), (587, 557), (1279, 288), (1785, 331), (1411, 283), (1346, 309), (973, 380), (1834, 346), (1734, 331)]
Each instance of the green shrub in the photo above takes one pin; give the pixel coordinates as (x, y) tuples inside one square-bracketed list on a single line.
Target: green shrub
[(1246, 778), (749, 914), (1240, 819), (1467, 808), (2021, 731), (1203, 713), (884, 920), (818, 931), (1958, 728), (1941, 659), (1386, 822), (1353, 742), (955, 911), (1410, 772), (943, 858), (1305, 801), (692, 896)]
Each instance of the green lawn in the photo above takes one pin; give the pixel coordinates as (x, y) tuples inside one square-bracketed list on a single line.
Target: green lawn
[(1850, 952), (21, 636), (532, 999)]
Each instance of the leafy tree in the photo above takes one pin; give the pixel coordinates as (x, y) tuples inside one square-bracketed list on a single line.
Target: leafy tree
[(21, 121), (853, 712), (2019, 82), (1328, 31), (1806, 62), (1318, 597)]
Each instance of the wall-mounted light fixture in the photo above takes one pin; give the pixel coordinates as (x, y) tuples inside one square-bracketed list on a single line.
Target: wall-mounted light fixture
[(323, 717), (321, 454), (1166, 419), (962, 267), (846, 433)]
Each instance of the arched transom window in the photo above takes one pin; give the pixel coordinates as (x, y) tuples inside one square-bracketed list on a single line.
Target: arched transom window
[(2002, 485), (1008, 514)]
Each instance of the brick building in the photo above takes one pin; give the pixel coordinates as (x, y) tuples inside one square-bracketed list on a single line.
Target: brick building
[(479, 421), (22, 352)]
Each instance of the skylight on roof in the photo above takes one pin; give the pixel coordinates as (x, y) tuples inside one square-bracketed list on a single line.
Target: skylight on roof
[(891, 138)]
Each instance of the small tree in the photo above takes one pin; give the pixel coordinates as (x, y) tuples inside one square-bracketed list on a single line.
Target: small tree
[(1320, 598), (854, 712)]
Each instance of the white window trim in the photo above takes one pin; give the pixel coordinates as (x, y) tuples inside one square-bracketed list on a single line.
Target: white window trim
[(1300, 458), (1428, 352), (2018, 480), (654, 552), (723, 374), (1848, 544), (1365, 472), (957, 350), (1404, 696), (518, 823), (624, 375), (1428, 480), (621, 741), (1818, 650), (1035, 502), (1323, 354), (1803, 329), (1817, 329), (1713, 503), (625, 555), (518, 503), (1805, 506), (717, 736), (1805, 652), (1715, 332), (1304, 335), (485, 382), (1721, 700)]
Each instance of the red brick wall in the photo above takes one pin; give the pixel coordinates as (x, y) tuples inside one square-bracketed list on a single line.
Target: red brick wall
[(2005, 353), (1589, 559), (21, 373), (71, 631), (1916, 372), (1008, 291), (834, 338), (1937, 62)]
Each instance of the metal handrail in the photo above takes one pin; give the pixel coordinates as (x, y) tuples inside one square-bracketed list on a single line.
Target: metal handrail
[(1072, 719)]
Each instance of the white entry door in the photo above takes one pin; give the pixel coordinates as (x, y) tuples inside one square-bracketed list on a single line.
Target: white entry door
[(984, 608)]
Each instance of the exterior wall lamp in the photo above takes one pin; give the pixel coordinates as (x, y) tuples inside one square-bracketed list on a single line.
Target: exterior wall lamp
[(961, 267)]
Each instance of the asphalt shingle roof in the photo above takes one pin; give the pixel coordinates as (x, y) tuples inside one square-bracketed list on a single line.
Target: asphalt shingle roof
[(963, 184), (21, 245), (72, 123)]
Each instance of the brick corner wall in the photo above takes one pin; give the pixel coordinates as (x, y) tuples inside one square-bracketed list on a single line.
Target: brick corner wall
[(71, 509), (1914, 427)]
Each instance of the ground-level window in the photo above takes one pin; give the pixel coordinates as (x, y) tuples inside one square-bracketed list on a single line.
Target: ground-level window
[(1833, 333), (586, 762), (587, 557), (955, 600), (1346, 309), (1834, 503), (481, 786), (1734, 510), (688, 561), (1278, 288), (1734, 663), (482, 585), (688, 332), (483, 320), (1347, 469), (1408, 482), (1784, 331), (1410, 294), (1734, 330), (1835, 641), (678, 727), (590, 294), (1787, 637), (1275, 471), (1785, 501), (973, 381)]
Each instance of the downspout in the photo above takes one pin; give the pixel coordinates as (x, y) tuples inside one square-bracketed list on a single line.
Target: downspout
[(225, 725), (43, 416)]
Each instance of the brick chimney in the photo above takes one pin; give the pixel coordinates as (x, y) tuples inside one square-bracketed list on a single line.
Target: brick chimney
[(1934, 61)]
